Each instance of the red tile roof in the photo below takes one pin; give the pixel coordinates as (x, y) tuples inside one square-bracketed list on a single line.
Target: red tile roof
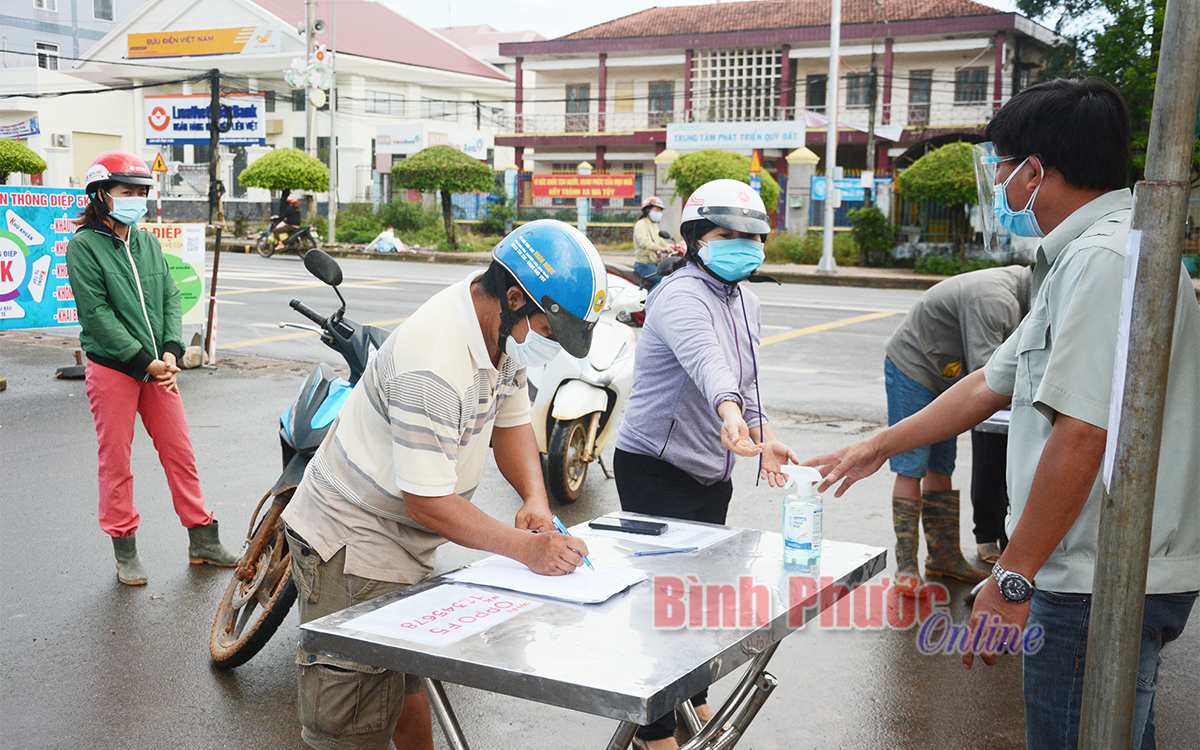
[(371, 30), (773, 14)]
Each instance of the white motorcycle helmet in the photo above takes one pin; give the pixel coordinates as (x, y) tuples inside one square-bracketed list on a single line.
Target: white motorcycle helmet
[(727, 203)]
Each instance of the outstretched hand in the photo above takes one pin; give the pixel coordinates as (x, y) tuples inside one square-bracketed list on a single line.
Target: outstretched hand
[(775, 455), (735, 433), (850, 464)]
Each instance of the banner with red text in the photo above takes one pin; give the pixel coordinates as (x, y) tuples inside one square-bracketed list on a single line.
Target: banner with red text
[(583, 186), (34, 290)]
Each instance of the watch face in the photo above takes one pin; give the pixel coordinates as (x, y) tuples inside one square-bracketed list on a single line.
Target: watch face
[(1014, 589)]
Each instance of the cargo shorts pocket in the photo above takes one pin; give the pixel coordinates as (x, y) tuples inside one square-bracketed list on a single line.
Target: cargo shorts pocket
[(340, 701), (305, 568)]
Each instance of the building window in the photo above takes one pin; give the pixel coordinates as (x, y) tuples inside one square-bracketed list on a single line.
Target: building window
[(578, 104), (385, 103), (920, 84), (439, 109), (323, 149), (269, 101), (858, 90), (736, 85), (102, 10), (297, 100), (176, 152), (815, 93), (662, 103), (201, 153), (298, 143), (563, 167), (970, 85), (50, 5), (47, 56)]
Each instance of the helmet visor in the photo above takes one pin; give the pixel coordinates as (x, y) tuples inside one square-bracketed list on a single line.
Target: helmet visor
[(573, 332), (738, 219)]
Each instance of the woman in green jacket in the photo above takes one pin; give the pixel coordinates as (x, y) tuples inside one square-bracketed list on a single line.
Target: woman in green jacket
[(129, 309)]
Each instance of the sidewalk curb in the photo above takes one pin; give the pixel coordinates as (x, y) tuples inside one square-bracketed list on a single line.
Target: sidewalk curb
[(866, 278)]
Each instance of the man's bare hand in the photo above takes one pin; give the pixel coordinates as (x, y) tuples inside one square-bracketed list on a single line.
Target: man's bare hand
[(850, 464), (534, 516), (554, 554), (994, 612), (775, 456)]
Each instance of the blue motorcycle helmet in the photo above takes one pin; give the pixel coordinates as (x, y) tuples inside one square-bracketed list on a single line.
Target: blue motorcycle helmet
[(561, 275)]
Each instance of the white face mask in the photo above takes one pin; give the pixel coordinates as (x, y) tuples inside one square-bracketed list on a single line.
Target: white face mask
[(536, 351), (656, 216)]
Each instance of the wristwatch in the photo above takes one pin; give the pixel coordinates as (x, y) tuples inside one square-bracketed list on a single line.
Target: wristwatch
[(1016, 588)]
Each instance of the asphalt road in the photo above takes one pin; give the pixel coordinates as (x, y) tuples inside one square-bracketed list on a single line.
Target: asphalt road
[(89, 663)]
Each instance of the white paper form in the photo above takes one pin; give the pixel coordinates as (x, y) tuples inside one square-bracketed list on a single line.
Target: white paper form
[(584, 586), (678, 534), (1117, 401), (442, 615)]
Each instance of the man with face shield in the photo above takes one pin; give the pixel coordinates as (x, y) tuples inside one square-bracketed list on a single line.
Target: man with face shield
[(394, 478), (694, 404), (1056, 168)]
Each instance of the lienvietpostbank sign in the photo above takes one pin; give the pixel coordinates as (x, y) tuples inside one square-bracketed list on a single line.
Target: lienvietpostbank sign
[(173, 120), (243, 40)]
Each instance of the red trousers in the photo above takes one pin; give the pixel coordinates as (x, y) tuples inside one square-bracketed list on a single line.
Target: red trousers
[(115, 399)]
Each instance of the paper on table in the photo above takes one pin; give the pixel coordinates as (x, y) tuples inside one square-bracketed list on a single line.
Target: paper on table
[(442, 615), (584, 586), (678, 534)]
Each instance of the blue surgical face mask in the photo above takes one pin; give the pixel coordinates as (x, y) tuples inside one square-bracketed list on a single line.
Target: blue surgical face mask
[(128, 210), (1021, 223), (732, 260), (535, 351)]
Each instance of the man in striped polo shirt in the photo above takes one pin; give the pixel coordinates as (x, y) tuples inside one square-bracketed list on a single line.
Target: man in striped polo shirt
[(394, 478)]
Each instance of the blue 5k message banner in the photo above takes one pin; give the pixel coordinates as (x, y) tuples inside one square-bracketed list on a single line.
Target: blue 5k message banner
[(34, 290)]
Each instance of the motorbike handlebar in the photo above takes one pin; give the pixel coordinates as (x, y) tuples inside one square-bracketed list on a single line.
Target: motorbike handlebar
[(307, 312)]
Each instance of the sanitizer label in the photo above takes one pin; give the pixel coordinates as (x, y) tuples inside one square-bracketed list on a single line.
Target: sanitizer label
[(802, 526)]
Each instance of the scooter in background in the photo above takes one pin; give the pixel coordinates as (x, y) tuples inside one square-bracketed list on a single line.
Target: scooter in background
[(576, 402)]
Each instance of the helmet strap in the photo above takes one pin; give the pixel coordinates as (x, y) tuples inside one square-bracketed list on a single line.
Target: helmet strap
[(510, 318)]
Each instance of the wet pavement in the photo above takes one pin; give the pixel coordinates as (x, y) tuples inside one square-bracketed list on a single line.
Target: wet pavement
[(92, 664)]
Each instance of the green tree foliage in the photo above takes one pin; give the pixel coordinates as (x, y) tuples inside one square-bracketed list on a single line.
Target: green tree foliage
[(17, 157), (1117, 40), (444, 170), (873, 234), (945, 176), (692, 170), (286, 169)]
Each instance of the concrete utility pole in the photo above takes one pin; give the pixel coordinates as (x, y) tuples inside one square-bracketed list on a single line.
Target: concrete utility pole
[(310, 43), (827, 264), (1160, 201), (333, 152)]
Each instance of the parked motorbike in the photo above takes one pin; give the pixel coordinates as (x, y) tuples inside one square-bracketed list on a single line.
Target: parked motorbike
[(261, 591), (576, 401), (300, 241)]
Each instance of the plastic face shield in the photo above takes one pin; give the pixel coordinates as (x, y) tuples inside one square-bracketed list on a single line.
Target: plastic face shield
[(985, 159)]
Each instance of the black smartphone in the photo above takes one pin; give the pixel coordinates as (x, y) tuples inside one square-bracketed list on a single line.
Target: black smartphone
[(629, 525)]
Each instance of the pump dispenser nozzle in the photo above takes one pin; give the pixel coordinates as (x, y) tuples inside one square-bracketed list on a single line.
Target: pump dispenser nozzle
[(804, 478)]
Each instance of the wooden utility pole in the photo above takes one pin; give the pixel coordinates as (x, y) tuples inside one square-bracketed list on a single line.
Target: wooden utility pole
[(216, 217), (1157, 232)]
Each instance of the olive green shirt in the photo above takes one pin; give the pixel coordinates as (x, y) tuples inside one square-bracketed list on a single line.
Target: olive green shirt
[(1060, 361)]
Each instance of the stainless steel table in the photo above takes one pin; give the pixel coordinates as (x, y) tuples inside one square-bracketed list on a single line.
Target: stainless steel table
[(609, 659)]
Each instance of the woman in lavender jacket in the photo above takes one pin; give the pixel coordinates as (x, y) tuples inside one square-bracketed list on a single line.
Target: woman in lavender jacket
[(695, 402)]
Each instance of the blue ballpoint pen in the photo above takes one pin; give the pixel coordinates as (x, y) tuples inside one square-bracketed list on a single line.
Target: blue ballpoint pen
[(563, 530)]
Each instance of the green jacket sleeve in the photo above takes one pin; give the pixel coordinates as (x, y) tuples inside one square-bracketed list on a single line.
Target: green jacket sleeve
[(91, 301)]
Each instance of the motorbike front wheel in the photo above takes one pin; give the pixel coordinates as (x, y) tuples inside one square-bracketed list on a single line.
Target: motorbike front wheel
[(265, 245), (565, 467), (255, 603)]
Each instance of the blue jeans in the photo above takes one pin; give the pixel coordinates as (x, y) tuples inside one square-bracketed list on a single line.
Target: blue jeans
[(648, 271), (1054, 675), (906, 397)]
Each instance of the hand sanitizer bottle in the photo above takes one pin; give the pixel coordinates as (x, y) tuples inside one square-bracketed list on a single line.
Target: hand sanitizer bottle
[(802, 517)]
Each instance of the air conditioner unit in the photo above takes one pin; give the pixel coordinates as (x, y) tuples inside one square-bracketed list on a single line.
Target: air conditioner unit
[(60, 140)]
